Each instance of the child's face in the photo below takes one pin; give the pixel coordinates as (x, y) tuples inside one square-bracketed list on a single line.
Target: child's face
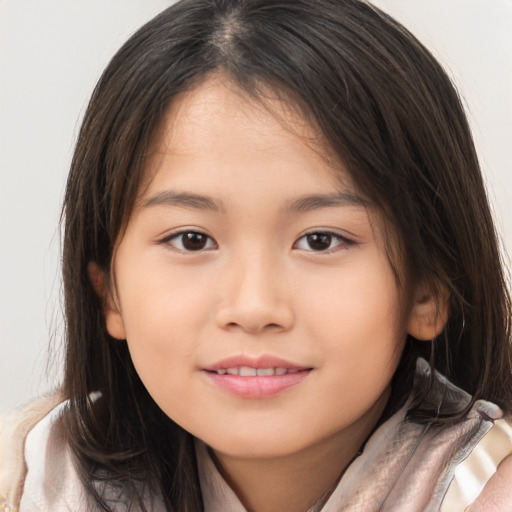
[(245, 251)]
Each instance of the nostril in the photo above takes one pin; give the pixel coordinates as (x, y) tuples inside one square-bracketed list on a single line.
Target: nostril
[(254, 318), (255, 327)]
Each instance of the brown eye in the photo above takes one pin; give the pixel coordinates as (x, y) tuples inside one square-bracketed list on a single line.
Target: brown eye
[(191, 241), (194, 241), (320, 241)]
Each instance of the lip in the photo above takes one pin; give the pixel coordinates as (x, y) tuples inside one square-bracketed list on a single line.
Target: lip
[(263, 361), (256, 387)]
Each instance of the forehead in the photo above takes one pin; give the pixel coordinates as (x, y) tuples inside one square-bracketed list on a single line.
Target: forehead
[(218, 99), (217, 124)]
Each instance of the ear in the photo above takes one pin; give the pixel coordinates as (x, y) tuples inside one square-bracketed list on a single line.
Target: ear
[(113, 318), (429, 313)]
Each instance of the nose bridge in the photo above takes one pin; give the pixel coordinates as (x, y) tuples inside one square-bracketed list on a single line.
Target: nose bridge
[(255, 295), (255, 276)]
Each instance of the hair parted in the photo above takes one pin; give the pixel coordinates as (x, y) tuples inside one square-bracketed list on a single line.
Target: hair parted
[(383, 104)]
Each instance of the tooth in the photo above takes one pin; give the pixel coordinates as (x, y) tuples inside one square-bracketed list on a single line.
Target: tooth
[(246, 371), (221, 371), (280, 371), (265, 371), (232, 371)]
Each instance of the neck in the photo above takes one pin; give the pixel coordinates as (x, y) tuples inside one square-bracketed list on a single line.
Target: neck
[(295, 481), (285, 483)]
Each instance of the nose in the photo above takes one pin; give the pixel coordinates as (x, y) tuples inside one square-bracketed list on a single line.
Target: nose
[(255, 297)]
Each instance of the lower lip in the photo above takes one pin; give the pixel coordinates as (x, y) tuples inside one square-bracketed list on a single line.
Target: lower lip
[(259, 386)]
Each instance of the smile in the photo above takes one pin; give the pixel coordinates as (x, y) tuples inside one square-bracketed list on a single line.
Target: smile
[(247, 371), (256, 378)]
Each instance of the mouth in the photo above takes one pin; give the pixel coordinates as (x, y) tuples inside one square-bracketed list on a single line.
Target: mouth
[(248, 371), (256, 378)]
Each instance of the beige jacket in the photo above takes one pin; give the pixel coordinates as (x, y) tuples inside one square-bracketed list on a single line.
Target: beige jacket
[(405, 467)]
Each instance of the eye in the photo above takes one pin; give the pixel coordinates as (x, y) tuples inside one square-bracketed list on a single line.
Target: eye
[(190, 241), (320, 241)]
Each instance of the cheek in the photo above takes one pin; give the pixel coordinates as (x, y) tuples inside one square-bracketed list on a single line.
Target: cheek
[(356, 321), (162, 340), (354, 304), (158, 297), (164, 314)]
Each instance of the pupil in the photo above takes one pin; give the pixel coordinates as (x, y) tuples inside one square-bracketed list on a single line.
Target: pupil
[(194, 241), (319, 241)]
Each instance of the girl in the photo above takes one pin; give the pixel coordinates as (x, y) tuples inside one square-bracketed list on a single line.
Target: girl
[(274, 218)]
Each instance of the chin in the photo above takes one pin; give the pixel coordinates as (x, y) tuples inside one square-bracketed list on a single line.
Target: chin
[(255, 445)]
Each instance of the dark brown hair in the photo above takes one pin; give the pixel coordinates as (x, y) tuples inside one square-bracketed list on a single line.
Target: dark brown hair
[(388, 110)]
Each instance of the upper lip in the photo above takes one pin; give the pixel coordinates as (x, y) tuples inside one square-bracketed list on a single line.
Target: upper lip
[(263, 361)]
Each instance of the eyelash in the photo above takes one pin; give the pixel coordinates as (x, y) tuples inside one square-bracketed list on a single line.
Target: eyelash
[(341, 241), (181, 234)]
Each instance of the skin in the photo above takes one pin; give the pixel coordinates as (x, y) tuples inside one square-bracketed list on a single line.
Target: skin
[(258, 286)]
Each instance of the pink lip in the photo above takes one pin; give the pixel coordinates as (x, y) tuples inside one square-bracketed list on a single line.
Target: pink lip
[(264, 361), (256, 386)]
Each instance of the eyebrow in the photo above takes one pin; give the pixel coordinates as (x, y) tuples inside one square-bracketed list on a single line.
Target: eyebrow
[(317, 201), (299, 205), (185, 200)]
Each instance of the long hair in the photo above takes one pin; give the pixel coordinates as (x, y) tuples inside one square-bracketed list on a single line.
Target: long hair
[(390, 113)]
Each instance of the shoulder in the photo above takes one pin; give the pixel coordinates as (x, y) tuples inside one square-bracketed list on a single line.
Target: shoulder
[(15, 427), (37, 468), (483, 481)]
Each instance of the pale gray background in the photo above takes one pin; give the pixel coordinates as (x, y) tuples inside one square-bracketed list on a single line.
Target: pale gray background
[(51, 54)]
